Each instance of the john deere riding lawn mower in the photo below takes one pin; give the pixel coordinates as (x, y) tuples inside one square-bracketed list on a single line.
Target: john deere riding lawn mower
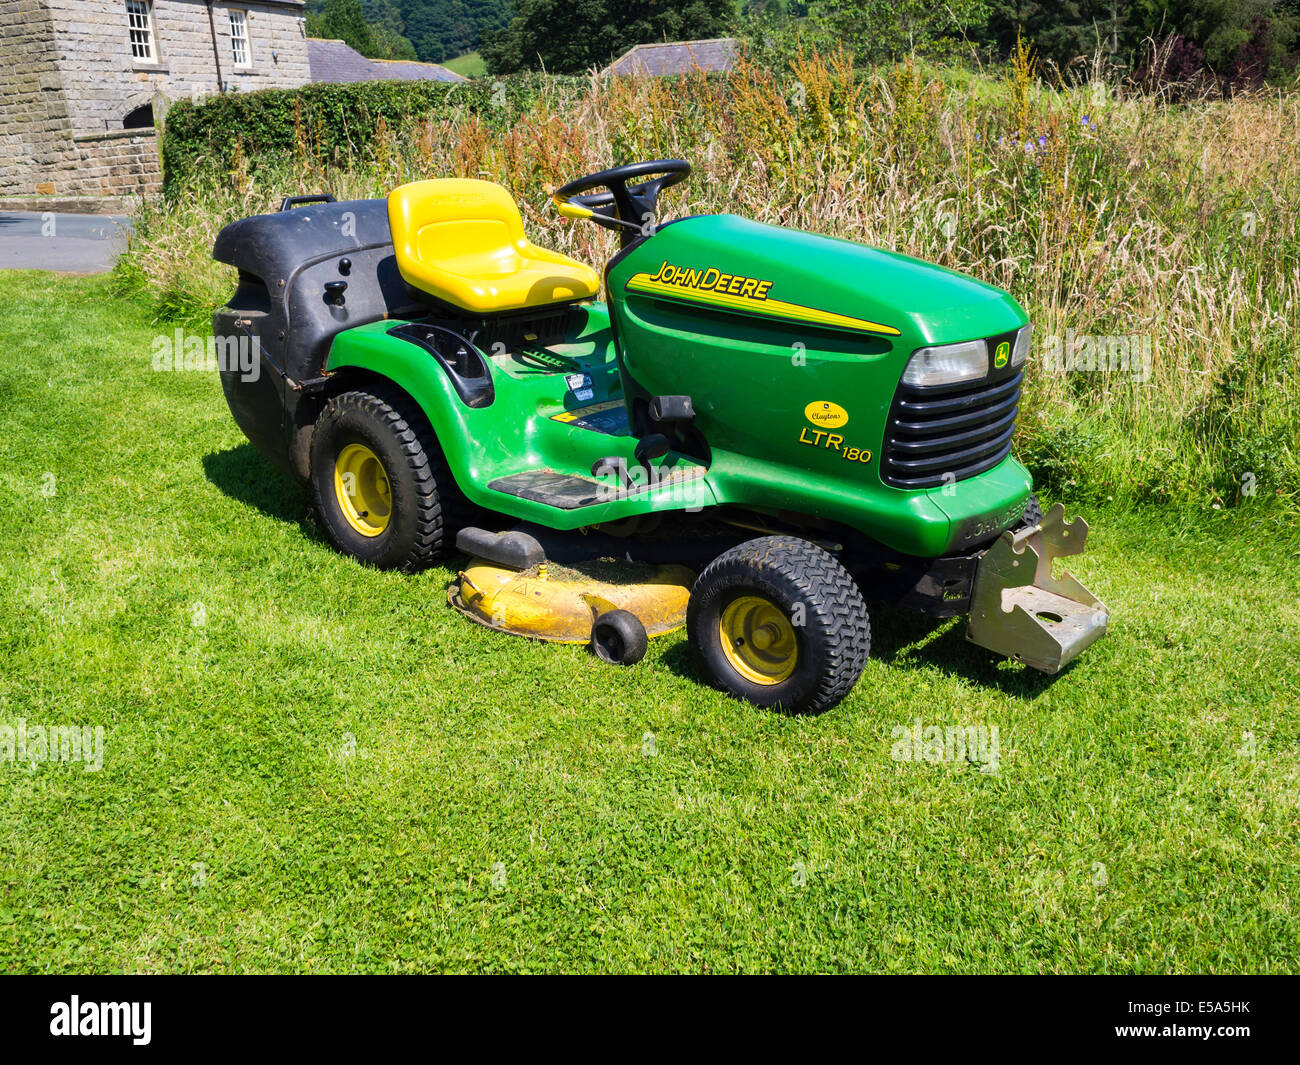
[(753, 430)]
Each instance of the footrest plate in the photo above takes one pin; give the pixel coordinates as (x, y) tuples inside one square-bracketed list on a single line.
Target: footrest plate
[(567, 491)]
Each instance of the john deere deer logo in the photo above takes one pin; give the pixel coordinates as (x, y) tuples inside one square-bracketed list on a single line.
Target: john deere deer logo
[(1001, 356)]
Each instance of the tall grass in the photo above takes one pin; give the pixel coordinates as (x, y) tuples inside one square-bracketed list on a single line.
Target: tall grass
[(1105, 213)]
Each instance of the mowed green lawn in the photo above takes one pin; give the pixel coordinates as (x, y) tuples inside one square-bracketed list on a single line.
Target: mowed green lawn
[(311, 766)]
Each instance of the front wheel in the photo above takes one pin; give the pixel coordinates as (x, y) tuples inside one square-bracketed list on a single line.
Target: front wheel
[(779, 622), (1033, 514)]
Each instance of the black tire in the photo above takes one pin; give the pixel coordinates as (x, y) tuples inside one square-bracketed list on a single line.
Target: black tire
[(394, 428), (800, 580), (1033, 513), (618, 637)]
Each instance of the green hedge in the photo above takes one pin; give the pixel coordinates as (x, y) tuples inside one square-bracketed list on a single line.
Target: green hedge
[(340, 120)]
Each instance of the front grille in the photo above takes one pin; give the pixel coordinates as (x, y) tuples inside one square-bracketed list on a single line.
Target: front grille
[(936, 436)]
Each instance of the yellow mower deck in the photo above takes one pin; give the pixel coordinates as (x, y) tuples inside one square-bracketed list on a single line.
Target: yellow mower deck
[(560, 603)]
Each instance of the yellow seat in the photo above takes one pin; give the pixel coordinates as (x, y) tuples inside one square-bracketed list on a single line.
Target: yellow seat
[(462, 242)]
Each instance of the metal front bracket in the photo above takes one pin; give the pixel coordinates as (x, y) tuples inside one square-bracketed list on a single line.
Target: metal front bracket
[(1021, 610)]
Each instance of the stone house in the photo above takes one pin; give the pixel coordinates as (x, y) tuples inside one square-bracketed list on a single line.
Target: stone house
[(334, 61), (83, 81), (665, 58)]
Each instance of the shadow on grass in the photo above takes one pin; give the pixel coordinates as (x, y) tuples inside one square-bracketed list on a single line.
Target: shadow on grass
[(907, 639), (242, 474), (677, 659)]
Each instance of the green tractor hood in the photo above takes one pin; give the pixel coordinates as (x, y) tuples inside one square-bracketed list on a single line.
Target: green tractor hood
[(792, 347), (914, 301)]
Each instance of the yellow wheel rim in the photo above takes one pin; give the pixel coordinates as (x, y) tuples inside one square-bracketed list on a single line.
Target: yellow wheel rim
[(361, 486), (758, 640)]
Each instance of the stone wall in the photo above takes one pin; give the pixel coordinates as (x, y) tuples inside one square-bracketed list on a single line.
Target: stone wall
[(67, 78), (121, 162), (35, 129)]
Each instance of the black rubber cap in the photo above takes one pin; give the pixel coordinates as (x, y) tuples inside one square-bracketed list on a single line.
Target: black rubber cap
[(672, 409), (515, 550)]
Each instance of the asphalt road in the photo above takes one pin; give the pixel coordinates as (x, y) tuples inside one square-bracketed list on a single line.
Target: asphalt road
[(68, 243)]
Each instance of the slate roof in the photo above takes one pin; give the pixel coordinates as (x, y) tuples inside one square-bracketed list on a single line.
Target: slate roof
[(334, 61), (677, 57)]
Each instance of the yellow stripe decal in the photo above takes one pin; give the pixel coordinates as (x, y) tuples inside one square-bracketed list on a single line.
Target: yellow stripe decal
[(653, 285), (583, 412)]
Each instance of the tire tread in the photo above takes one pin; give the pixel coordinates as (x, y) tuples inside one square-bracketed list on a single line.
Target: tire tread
[(827, 590), (437, 497)]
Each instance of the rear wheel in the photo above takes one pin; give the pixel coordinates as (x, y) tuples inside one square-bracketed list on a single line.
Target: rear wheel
[(381, 485), (779, 622)]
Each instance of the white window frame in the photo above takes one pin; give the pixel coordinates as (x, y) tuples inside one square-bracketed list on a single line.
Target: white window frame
[(141, 38), (241, 46)]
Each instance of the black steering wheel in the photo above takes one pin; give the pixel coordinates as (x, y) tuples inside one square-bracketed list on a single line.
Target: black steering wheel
[(630, 209)]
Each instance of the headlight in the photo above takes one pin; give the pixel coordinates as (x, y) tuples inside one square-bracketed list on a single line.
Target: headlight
[(1021, 350), (949, 364)]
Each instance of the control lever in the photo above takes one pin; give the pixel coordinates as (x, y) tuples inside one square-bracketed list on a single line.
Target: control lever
[(654, 446)]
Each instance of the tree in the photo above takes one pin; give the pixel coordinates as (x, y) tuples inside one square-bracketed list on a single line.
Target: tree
[(890, 29), (1060, 31), (1226, 29), (570, 36), (387, 29), (1257, 33), (441, 29), (343, 20), (390, 45)]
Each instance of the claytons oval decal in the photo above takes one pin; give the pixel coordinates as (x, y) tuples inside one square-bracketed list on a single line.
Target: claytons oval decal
[(826, 415)]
